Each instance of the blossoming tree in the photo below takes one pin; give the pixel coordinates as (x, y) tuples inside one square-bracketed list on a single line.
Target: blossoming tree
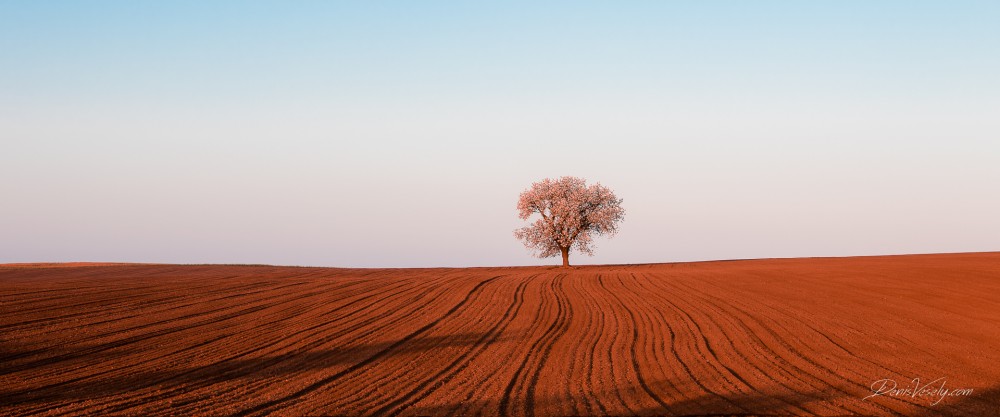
[(571, 212)]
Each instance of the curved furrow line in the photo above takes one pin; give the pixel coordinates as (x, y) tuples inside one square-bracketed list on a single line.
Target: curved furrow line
[(760, 343), (578, 353), (487, 380), (12, 295), (330, 379), (797, 317), (931, 288), (240, 370), (213, 375), (68, 275), (780, 365), (801, 371), (258, 346), (517, 380), (445, 375), (65, 294), (747, 330), (89, 339), (806, 372), (658, 320), (663, 350), (117, 332), (282, 314), (170, 308), (78, 315), (912, 346), (407, 372), (696, 332), (12, 397), (32, 308), (370, 324), (590, 355), (127, 294), (886, 277), (92, 350), (611, 347), (129, 304), (564, 315), (74, 327), (768, 356), (635, 353), (665, 322), (39, 392), (635, 293), (650, 320), (123, 364)]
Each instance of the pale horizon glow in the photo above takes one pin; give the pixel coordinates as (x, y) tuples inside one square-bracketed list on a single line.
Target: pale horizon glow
[(395, 134)]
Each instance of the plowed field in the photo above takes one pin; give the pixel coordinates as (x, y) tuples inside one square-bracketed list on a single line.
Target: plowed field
[(772, 337)]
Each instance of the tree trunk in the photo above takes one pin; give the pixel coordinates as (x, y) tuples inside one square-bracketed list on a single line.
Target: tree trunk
[(565, 254)]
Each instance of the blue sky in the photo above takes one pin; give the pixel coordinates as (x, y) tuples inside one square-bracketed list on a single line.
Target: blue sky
[(400, 133)]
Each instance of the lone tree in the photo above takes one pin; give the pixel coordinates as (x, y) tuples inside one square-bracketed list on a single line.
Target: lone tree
[(571, 212)]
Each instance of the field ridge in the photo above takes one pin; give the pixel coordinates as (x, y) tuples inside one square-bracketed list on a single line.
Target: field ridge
[(786, 336)]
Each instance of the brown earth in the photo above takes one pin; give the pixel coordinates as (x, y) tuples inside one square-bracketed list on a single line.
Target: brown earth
[(773, 337)]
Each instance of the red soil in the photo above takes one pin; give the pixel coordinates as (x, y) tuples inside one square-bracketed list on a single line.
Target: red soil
[(777, 337), (59, 264)]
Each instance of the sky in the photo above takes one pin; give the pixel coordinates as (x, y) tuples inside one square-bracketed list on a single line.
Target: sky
[(400, 134)]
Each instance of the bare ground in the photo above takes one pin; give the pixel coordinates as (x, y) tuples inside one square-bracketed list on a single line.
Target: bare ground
[(757, 337)]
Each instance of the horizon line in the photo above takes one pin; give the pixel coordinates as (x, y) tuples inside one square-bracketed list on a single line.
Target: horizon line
[(71, 264)]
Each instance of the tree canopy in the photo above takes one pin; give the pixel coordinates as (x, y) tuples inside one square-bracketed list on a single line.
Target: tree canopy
[(570, 214)]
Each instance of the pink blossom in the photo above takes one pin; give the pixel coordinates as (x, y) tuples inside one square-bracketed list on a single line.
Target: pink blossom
[(570, 214)]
